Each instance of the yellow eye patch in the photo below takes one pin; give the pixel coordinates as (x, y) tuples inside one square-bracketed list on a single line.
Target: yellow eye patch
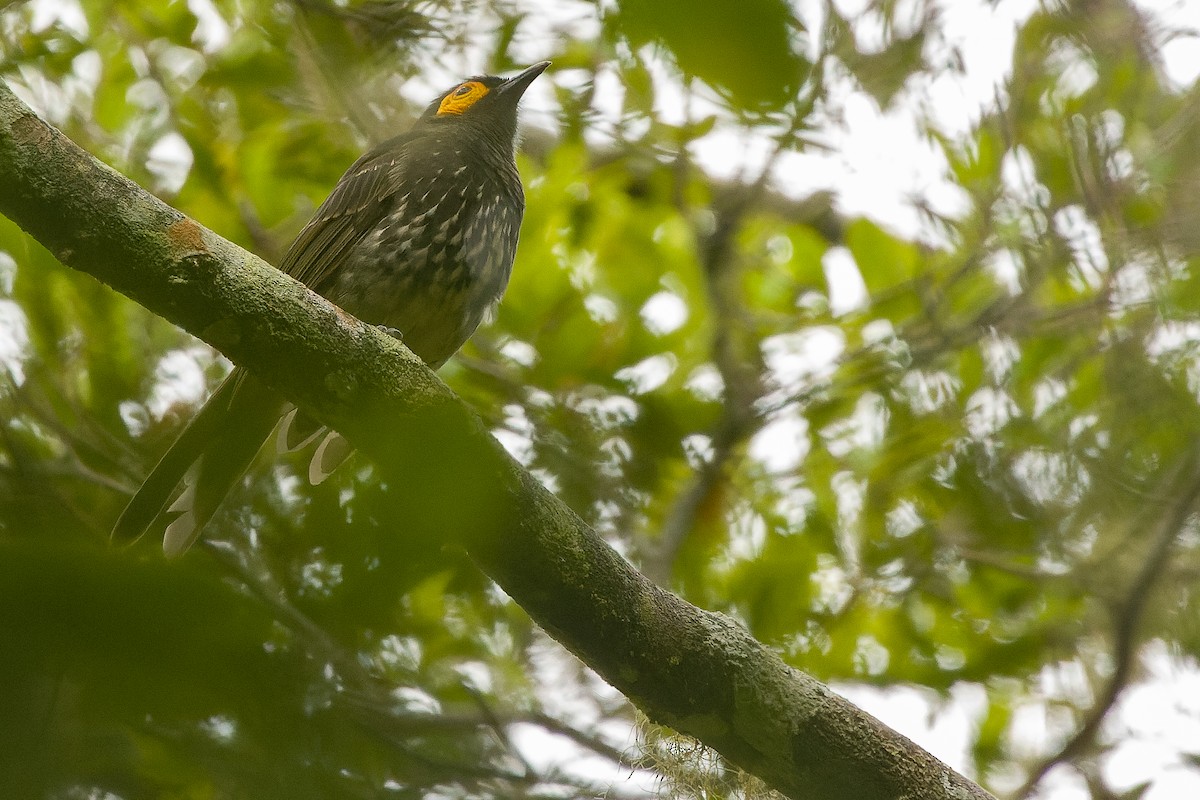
[(462, 98)]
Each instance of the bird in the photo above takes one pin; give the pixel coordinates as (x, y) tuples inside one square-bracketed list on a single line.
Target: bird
[(418, 237)]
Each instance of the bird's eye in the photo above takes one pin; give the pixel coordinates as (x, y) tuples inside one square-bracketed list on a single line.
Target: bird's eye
[(459, 99)]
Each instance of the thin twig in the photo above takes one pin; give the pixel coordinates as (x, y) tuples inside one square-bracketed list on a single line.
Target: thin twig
[(743, 383), (1127, 623)]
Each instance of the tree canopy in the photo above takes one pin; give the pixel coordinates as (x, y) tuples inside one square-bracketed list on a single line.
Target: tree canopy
[(954, 455)]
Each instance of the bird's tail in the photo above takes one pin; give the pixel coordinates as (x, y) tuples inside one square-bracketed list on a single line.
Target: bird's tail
[(209, 457)]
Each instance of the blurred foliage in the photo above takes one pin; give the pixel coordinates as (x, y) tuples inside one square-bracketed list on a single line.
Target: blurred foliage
[(980, 473)]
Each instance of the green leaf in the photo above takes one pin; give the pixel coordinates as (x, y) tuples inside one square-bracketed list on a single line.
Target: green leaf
[(742, 49), (885, 261)]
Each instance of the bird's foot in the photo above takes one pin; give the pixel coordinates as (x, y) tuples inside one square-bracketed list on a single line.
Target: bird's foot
[(395, 333)]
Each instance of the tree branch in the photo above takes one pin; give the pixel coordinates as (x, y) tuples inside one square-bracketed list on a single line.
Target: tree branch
[(1127, 621), (698, 672)]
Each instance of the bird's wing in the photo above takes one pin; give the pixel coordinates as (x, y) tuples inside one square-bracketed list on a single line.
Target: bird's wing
[(350, 211)]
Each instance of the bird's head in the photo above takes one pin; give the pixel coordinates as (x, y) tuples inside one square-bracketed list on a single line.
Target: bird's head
[(486, 99)]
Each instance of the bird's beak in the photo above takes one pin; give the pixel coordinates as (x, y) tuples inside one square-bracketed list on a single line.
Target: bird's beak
[(516, 85)]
